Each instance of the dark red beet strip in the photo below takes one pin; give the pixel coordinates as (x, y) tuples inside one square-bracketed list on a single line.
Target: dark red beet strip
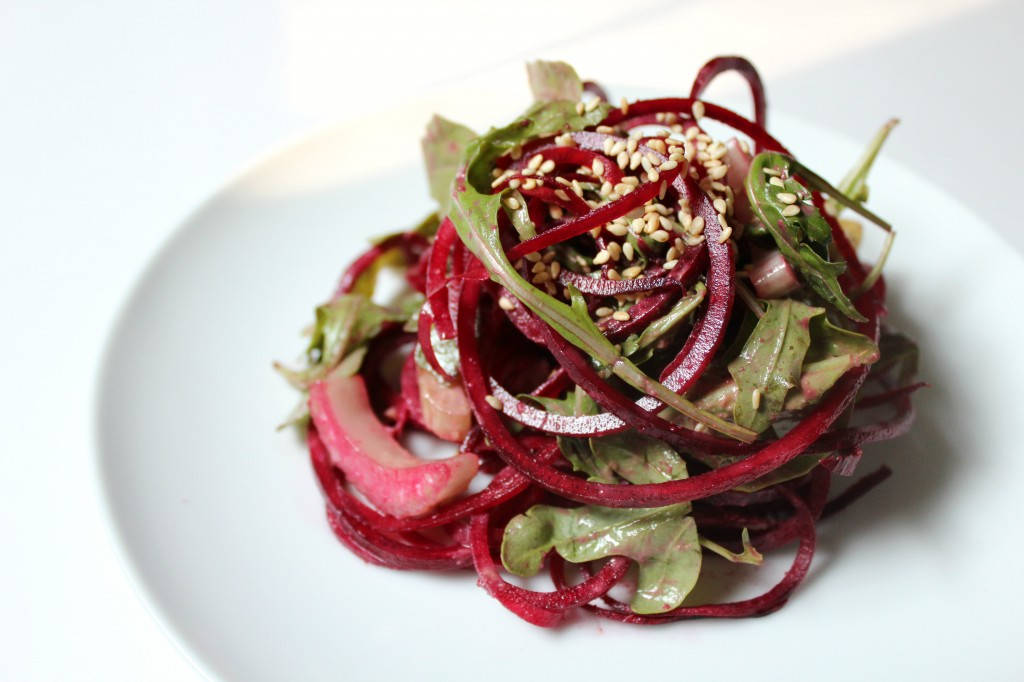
[(720, 65)]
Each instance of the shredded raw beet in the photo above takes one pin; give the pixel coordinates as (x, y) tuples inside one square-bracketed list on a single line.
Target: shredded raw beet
[(583, 298)]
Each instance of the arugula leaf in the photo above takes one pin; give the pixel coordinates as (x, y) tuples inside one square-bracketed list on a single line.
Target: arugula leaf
[(749, 555), (343, 328), (667, 322), (803, 238), (474, 213), (550, 81), (833, 352), (854, 184), (770, 361), (663, 541), (899, 357), (634, 457), (443, 146)]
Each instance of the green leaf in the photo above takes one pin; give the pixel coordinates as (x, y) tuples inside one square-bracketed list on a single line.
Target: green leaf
[(803, 238), (633, 457), (443, 147), (749, 555), (770, 362), (898, 359), (670, 320), (833, 352), (854, 184), (343, 327), (552, 81), (663, 541)]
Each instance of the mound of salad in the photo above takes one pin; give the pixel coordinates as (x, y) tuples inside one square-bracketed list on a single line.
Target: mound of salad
[(651, 346)]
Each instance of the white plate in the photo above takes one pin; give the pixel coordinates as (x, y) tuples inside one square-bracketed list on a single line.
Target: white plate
[(223, 526)]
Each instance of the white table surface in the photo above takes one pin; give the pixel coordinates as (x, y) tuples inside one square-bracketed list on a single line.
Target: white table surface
[(118, 117)]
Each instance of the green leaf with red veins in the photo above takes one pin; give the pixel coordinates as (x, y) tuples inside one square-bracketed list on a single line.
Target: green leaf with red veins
[(551, 81)]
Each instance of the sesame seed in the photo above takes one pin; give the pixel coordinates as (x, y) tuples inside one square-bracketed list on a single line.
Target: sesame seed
[(622, 159), (535, 161), (532, 257), (718, 150), (718, 187), (547, 166), (718, 172), (500, 179), (606, 130), (598, 167), (549, 256), (613, 274), (662, 190), (530, 183), (692, 132), (541, 278), (755, 398), (653, 175), (660, 117), (666, 224), (660, 236), (635, 160), (709, 162), (618, 229), (669, 264), (672, 253), (776, 181), (700, 428), (562, 181), (592, 104), (514, 183), (624, 106), (679, 245), (562, 194), (596, 232), (539, 266), (512, 203), (650, 207), (698, 110), (614, 250), (770, 171), (658, 146), (528, 171), (651, 222), (603, 311), (555, 211), (602, 257), (724, 237), (620, 315), (492, 401), (580, 108), (791, 210), (577, 187), (631, 180), (556, 268), (722, 221), (719, 205), (697, 225), (627, 251), (786, 197), (668, 165), (637, 225), (608, 144), (632, 271)]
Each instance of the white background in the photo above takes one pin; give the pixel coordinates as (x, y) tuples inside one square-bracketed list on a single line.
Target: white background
[(118, 117)]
